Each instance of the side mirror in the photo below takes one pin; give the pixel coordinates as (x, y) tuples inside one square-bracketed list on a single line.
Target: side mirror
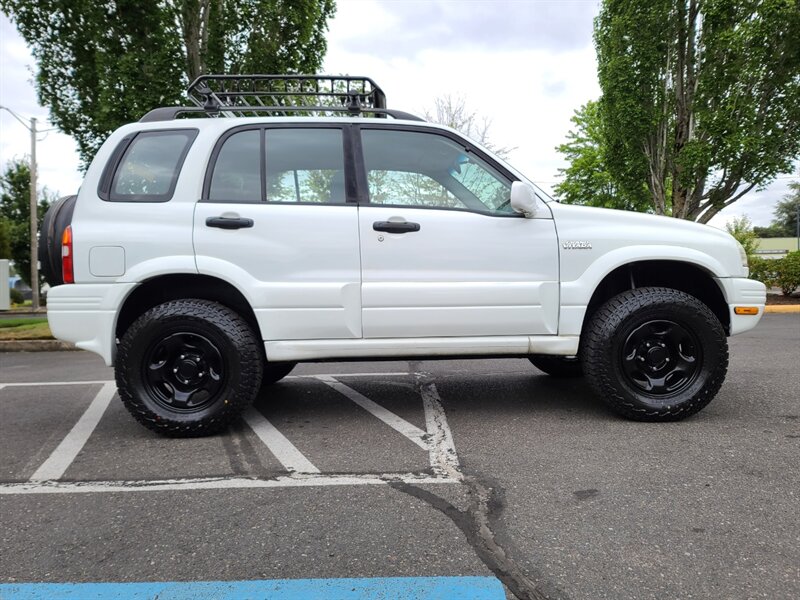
[(523, 199)]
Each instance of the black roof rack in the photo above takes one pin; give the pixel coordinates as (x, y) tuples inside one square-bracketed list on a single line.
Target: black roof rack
[(283, 95)]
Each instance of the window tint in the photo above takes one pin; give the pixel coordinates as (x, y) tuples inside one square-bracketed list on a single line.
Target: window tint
[(423, 169), (305, 165), (149, 168), (237, 175)]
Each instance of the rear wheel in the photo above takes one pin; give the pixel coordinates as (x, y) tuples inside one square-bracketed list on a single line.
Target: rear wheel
[(558, 366), (655, 354), (188, 367)]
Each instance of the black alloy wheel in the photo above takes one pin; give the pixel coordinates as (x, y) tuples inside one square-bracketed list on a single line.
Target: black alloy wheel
[(184, 371), (661, 358)]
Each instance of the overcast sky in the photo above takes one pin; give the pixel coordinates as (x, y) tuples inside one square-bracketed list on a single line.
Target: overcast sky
[(526, 65)]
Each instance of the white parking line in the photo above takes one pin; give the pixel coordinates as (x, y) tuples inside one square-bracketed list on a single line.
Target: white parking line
[(412, 432), (61, 458), (286, 452), (214, 483), (444, 459), (40, 383), (437, 440), (391, 374)]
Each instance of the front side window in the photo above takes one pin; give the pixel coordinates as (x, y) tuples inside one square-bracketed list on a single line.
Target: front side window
[(149, 168), (305, 165), (409, 168)]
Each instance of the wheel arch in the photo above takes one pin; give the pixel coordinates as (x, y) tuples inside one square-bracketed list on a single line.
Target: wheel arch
[(163, 288), (688, 277)]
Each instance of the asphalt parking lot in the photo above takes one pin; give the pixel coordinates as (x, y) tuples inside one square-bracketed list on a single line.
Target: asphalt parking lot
[(480, 477)]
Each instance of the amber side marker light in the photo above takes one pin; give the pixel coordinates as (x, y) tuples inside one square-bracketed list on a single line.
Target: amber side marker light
[(746, 310)]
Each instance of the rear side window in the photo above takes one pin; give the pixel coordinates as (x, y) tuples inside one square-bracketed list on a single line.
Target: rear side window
[(149, 166), (305, 165)]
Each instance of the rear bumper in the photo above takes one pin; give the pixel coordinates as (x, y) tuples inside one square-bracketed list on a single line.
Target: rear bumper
[(743, 292), (86, 315)]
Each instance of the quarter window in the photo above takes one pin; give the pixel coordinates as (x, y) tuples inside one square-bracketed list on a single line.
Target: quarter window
[(237, 175), (429, 170), (149, 168)]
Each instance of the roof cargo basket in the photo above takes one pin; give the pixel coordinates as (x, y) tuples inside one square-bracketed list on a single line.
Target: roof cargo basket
[(281, 95)]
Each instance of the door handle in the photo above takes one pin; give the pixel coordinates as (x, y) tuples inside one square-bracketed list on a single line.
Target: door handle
[(395, 226), (228, 222)]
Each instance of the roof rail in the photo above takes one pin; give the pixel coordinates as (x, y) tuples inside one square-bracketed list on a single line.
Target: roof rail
[(247, 95)]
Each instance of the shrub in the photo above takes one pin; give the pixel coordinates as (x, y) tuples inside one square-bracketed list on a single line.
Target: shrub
[(788, 273), (764, 270), (16, 296)]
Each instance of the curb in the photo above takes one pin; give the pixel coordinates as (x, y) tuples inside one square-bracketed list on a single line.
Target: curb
[(782, 308), (35, 346)]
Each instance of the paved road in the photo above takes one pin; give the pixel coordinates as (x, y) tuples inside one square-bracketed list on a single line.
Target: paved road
[(538, 486)]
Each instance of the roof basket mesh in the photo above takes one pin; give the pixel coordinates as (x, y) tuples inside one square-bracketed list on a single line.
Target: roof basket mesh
[(247, 95)]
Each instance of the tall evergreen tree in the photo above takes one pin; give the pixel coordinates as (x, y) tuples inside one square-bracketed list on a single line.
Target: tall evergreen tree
[(700, 99)]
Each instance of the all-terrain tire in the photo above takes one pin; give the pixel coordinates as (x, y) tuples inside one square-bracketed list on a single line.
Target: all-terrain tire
[(275, 371), (558, 366), (638, 336), (196, 341)]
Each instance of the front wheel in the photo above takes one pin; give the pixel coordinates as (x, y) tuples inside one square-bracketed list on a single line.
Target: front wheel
[(655, 354), (188, 367)]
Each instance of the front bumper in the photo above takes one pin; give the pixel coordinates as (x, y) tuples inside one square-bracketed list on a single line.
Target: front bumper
[(740, 291), (86, 315)]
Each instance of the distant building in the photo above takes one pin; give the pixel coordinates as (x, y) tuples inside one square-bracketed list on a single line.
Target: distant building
[(775, 247)]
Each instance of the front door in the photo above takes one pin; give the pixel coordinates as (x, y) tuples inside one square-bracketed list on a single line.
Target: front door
[(274, 221), (443, 253)]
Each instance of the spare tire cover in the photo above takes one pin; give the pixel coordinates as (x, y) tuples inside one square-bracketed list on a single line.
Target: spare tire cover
[(55, 221)]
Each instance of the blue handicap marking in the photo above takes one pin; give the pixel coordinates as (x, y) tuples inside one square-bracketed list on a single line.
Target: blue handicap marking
[(379, 588)]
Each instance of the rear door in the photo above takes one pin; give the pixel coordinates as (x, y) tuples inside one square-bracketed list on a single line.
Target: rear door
[(443, 254), (275, 221)]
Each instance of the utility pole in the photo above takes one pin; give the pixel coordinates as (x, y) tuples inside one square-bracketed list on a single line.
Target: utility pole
[(34, 210), (34, 223)]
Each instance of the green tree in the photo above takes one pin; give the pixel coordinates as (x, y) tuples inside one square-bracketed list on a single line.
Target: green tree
[(15, 212), (588, 180), (785, 215), (741, 228), (5, 238), (701, 98), (103, 64), (784, 222), (769, 232)]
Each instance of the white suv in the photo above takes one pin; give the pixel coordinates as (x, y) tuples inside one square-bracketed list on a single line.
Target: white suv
[(205, 257)]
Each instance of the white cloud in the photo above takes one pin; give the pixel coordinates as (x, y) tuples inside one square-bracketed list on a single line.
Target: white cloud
[(526, 65), (57, 156)]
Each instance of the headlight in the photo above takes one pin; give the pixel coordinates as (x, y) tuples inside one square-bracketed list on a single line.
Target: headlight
[(743, 256)]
